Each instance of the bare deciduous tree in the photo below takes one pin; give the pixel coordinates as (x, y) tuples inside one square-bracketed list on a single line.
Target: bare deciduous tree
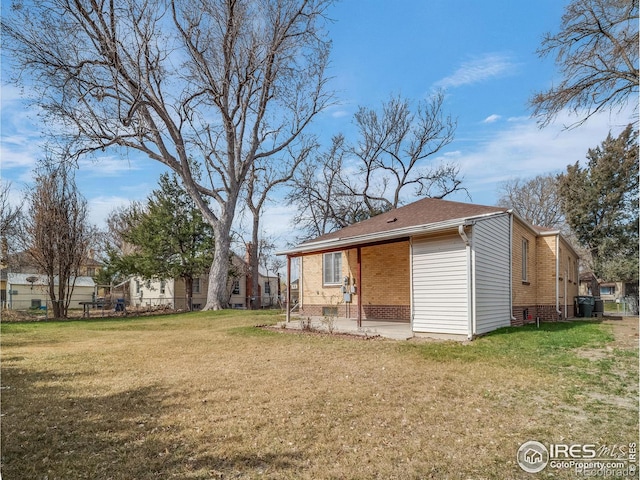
[(263, 179), (206, 87), (9, 222), (350, 183), (393, 147), (321, 200), (57, 235), (536, 200), (597, 52)]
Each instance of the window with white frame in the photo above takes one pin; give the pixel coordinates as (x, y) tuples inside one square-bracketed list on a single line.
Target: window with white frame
[(163, 286), (196, 286), (525, 259), (332, 268), (267, 288), (607, 289), (235, 290)]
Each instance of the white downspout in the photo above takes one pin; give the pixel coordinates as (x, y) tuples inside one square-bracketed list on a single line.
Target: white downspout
[(513, 319), (411, 296), (558, 311), (470, 283), (566, 274)]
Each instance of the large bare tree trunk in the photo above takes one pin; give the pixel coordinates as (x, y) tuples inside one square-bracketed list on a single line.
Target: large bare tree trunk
[(217, 297)]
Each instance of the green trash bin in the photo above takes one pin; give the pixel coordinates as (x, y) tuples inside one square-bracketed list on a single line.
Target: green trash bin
[(585, 305)]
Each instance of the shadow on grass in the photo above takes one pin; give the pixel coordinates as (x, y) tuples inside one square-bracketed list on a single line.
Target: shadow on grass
[(51, 430)]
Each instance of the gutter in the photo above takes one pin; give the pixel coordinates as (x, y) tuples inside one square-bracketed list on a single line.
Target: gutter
[(340, 242)]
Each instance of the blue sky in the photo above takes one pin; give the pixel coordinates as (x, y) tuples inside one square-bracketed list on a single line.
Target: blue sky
[(481, 53)]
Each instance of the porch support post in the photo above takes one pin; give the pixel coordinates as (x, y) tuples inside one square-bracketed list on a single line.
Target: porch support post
[(288, 289), (359, 280)]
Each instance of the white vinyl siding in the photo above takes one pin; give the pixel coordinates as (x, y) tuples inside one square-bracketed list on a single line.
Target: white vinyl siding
[(440, 286), (492, 279)]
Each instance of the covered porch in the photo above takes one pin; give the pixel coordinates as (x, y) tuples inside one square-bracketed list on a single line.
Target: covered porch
[(356, 283)]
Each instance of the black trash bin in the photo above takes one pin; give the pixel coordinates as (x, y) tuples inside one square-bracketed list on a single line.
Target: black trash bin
[(598, 307), (120, 305)]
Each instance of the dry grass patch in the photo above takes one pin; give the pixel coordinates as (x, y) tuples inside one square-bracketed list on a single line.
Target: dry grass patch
[(209, 396)]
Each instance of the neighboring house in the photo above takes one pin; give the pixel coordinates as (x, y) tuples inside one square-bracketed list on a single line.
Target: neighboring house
[(172, 292), (90, 266), (607, 291), (30, 290), (448, 268), (295, 291), (21, 262), (589, 284)]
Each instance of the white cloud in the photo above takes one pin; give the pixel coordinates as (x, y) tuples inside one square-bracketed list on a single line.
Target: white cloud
[(108, 166), (492, 118), (524, 150), (485, 67), (101, 206), (340, 113)]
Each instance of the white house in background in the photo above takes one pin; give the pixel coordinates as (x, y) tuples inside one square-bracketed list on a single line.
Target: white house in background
[(30, 290), (171, 291)]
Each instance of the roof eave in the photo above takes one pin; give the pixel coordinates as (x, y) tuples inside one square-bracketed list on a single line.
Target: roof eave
[(336, 243)]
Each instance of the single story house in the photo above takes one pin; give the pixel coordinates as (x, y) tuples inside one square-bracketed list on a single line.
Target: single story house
[(449, 269), (30, 290), (172, 291)]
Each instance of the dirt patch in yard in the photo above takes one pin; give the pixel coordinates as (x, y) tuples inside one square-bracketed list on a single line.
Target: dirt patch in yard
[(625, 331)]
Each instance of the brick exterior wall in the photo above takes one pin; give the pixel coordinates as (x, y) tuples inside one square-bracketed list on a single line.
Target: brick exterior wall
[(524, 291), (546, 313), (389, 313), (537, 295), (546, 270)]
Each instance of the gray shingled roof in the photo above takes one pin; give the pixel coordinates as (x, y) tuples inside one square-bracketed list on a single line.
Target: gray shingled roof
[(423, 212)]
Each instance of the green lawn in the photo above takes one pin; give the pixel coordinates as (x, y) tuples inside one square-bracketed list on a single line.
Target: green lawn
[(208, 395)]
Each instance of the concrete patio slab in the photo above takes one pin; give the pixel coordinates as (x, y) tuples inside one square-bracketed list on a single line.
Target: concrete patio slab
[(369, 328)]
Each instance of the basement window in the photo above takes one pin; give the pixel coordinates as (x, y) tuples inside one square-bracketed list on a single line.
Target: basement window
[(329, 311)]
